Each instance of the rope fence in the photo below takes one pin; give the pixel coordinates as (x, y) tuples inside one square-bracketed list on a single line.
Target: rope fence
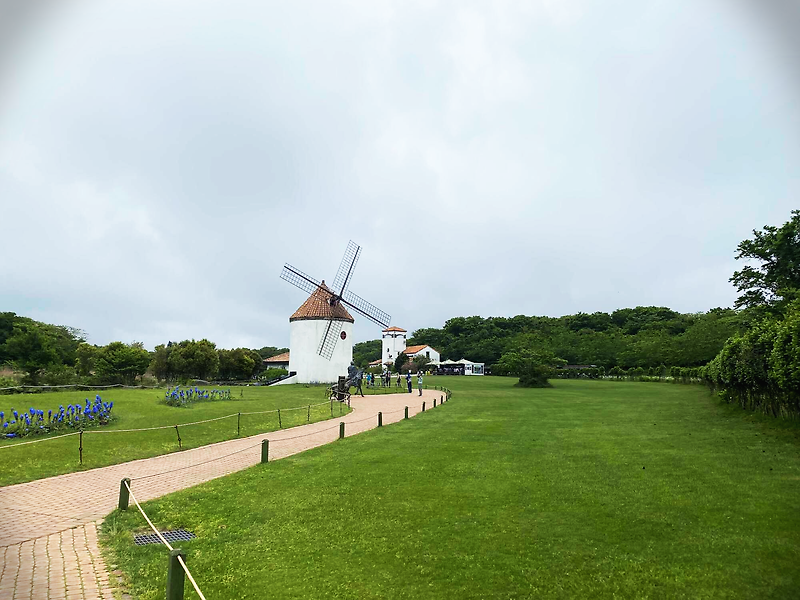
[(177, 427), (81, 433), (177, 564), (205, 462), (175, 581)]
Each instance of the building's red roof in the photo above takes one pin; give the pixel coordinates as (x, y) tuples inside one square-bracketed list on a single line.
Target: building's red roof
[(279, 358), (318, 306), (393, 328), (415, 349)]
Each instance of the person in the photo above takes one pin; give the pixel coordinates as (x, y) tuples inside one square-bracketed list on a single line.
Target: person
[(419, 381), (398, 379), (408, 381), (352, 371), (359, 376)]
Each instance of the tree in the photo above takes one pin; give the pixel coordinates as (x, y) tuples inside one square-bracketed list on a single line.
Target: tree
[(776, 281), (532, 367), (31, 349), (421, 362), (237, 364), (191, 359), (120, 362), (400, 362), (85, 357), (365, 352), (159, 363), (270, 351), (258, 362)]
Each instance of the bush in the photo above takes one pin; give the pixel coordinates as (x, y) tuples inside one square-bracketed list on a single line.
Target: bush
[(36, 422), (59, 375), (273, 373), (185, 397), (532, 367)]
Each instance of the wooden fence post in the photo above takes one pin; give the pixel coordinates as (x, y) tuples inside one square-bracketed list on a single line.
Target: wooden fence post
[(124, 494), (175, 576), (264, 451)]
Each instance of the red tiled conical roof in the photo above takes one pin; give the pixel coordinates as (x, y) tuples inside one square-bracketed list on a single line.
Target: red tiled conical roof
[(318, 306)]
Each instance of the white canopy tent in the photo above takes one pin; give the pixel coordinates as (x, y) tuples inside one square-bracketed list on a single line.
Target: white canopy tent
[(470, 368)]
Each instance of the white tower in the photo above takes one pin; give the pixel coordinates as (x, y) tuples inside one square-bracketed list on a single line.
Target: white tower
[(307, 327), (394, 342)]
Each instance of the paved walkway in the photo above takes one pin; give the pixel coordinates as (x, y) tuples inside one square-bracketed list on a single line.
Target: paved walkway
[(48, 538)]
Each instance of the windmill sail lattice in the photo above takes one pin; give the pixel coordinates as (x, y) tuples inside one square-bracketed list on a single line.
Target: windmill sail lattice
[(339, 294)]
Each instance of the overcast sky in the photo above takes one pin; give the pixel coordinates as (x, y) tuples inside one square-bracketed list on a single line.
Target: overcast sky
[(160, 161)]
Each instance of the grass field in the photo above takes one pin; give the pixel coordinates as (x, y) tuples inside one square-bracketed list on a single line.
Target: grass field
[(586, 490), (135, 409)]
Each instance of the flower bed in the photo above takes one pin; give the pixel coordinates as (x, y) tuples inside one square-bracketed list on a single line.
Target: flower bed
[(35, 421), (184, 397)]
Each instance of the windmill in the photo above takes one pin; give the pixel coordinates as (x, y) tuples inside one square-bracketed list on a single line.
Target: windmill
[(338, 294)]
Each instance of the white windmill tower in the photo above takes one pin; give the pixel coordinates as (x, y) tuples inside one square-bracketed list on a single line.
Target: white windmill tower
[(321, 330)]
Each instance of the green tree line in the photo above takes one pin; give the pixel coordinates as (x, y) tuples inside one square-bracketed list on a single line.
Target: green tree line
[(759, 368), (55, 355), (644, 336)]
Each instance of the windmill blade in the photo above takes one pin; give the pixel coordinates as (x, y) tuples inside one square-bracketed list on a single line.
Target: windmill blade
[(372, 312), (297, 278), (328, 342), (346, 268)]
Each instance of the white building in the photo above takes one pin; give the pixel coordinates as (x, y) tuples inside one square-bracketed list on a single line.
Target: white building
[(307, 327), (394, 342), (429, 352), (281, 361)]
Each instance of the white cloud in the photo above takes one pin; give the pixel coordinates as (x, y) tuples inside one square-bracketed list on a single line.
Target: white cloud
[(160, 161)]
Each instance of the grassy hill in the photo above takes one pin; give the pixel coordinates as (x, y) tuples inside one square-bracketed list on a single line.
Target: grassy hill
[(589, 489)]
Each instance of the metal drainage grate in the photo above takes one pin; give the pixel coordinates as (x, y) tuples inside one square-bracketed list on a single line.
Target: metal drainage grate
[(178, 535)]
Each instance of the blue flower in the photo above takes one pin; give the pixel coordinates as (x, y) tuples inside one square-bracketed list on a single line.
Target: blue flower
[(11, 435), (16, 416), (5, 425), (2, 415)]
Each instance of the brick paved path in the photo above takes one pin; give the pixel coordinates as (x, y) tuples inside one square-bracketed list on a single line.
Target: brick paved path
[(49, 526)]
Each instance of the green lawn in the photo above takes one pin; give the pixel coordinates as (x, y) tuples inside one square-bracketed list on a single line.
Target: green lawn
[(145, 408), (591, 489)]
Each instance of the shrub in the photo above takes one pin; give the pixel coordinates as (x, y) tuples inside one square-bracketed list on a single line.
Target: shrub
[(273, 373), (36, 422), (185, 397)]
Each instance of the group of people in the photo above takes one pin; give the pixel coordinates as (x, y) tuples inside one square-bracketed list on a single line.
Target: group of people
[(356, 377)]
